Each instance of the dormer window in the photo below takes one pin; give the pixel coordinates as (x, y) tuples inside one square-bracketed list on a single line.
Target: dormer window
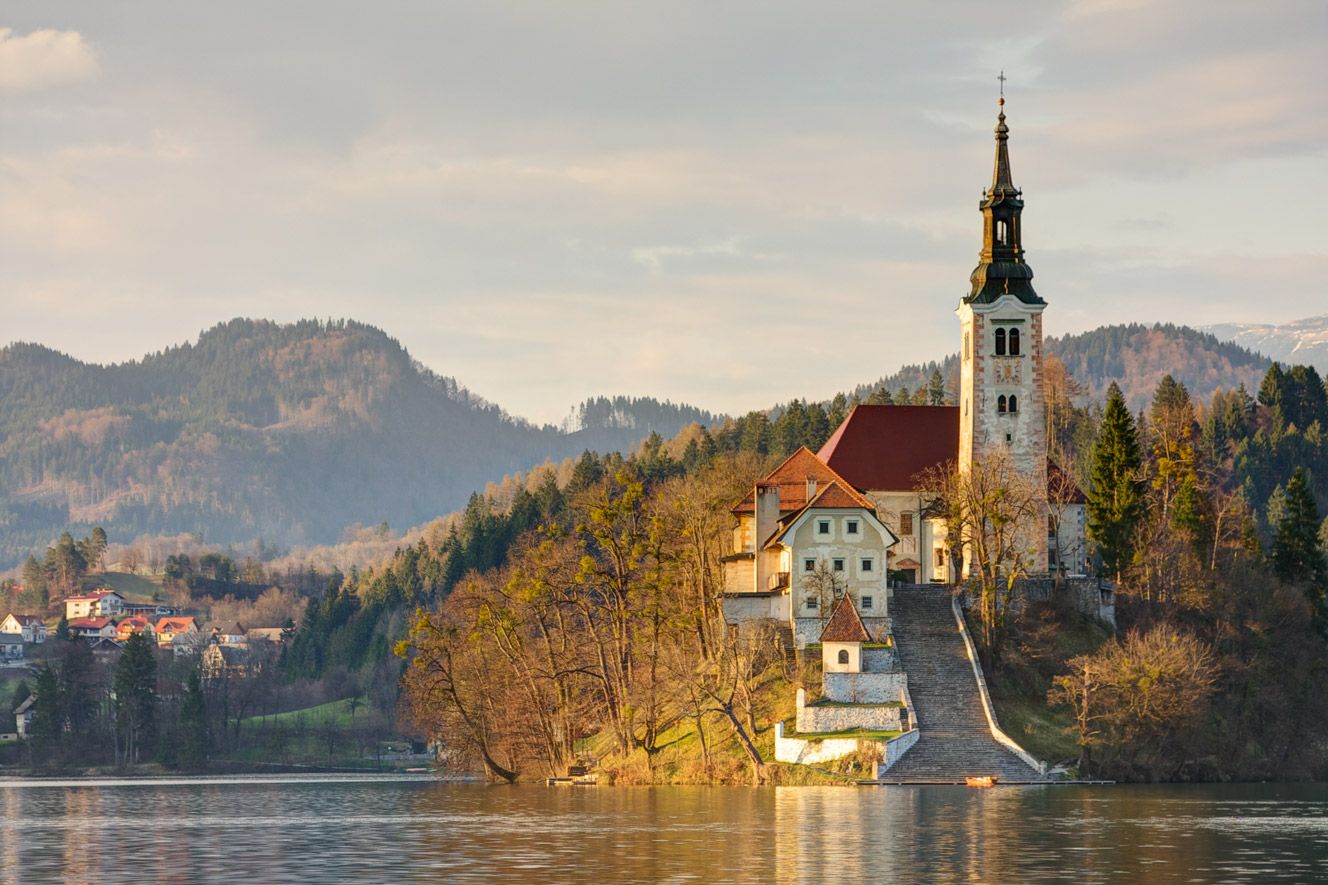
[(1000, 342), (1014, 342)]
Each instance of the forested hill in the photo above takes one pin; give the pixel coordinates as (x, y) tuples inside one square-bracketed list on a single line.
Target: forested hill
[(285, 432), (1135, 356)]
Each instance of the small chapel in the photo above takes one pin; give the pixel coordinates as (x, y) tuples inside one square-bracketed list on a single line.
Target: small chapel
[(849, 520)]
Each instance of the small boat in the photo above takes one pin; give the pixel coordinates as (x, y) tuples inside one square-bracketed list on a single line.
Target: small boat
[(986, 780)]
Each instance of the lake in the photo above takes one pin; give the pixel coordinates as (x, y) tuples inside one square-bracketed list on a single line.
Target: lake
[(404, 828)]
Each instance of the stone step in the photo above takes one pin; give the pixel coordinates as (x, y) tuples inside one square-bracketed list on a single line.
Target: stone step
[(956, 741)]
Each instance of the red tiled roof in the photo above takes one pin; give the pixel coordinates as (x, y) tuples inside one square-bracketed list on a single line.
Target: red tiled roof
[(880, 448), (838, 494), (1072, 493), (845, 625), (175, 624), (791, 477), (88, 623)]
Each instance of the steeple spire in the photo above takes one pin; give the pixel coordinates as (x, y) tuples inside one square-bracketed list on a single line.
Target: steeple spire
[(1002, 269), (1000, 176)]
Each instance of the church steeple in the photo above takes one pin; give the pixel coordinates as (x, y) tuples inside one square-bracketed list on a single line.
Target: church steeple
[(1002, 269)]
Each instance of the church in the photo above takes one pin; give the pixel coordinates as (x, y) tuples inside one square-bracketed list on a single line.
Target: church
[(849, 520)]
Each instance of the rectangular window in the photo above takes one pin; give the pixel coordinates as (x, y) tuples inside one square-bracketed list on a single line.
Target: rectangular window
[(809, 565), (867, 565), (866, 603), (823, 527), (906, 523), (851, 527), (940, 557), (810, 601), (839, 565)]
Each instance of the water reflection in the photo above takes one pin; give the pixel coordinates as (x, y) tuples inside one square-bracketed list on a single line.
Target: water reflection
[(380, 830)]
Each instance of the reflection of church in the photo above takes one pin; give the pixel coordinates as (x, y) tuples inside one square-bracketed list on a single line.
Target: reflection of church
[(848, 520)]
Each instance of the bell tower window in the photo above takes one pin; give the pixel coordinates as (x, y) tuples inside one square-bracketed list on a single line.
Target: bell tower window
[(1014, 342), (1000, 342), (1014, 404), (1000, 404), (1002, 233)]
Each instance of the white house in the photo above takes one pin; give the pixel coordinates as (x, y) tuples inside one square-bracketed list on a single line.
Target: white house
[(97, 604), (11, 647), (804, 538), (30, 627), (93, 628)]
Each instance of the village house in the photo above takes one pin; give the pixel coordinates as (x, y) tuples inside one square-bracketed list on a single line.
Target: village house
[(129, 626), (97, 604), (167, 629), (219, 662), (106, 650), (92, 628), (232, 635), (11, 647), (23, 714), (31, 627)]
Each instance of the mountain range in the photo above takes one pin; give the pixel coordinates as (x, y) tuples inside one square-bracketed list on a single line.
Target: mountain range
[(1304, 341), (292, 433)]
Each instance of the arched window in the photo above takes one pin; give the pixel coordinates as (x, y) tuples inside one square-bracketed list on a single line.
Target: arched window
[(1014, 404), (843, 656), (1002, 234), (1014, 342), (1000, 342), (1000, 404)]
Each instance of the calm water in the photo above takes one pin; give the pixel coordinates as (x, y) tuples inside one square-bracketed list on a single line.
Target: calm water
[(340, 829)]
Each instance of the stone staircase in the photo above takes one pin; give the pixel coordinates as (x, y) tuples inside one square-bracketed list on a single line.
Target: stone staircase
[(956, 741)]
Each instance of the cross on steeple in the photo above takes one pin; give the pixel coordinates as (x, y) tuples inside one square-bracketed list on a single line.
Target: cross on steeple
[(1002, 78)]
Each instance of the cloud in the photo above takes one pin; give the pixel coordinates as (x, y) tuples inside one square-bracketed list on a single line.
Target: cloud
[(43, 59)]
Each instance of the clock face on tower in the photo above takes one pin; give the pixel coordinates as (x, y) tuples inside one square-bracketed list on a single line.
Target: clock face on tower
[(1007, 371)]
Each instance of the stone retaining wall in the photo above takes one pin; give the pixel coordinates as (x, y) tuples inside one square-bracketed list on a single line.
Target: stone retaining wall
[(812, 719), (863, 688)]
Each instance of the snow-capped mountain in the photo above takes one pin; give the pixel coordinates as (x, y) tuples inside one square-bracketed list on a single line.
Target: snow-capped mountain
[(1304, 341)]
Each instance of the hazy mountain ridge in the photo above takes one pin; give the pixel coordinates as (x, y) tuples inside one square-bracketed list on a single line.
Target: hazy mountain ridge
[(1135, 356), (1303, 341), (285, 432)]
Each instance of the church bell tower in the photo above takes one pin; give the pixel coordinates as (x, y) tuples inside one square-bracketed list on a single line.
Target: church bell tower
[(1000, 387)]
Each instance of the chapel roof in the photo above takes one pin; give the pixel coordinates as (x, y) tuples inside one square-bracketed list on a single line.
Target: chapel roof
[(845, 624), (885, 448)]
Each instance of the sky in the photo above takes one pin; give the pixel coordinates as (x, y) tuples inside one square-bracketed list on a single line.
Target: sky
[(726, 204)]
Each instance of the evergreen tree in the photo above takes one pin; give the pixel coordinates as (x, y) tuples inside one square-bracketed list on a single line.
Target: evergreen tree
[(1115, 504), (135, 684), (48, 721), (193, 748), (62, 629), (1297, 554), (936, 388)]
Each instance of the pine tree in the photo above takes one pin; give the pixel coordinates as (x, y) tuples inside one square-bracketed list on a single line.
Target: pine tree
[(135, 685), (48, 720), (936, 388), (193, 724), (1115, 504), (1297, 554)]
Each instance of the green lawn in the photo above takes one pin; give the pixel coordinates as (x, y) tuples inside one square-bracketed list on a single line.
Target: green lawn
[(337, 712), (135, 588)]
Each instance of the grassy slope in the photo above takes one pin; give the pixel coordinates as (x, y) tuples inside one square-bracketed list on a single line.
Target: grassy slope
[(1044, 638), (682, 761), (134, 588)]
